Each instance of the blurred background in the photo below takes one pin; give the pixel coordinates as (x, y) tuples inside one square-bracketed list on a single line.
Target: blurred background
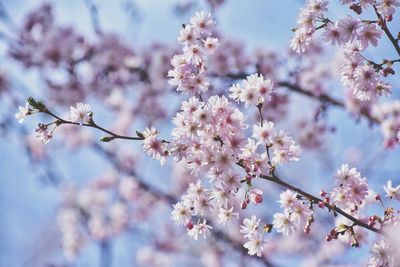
[(115, 55)]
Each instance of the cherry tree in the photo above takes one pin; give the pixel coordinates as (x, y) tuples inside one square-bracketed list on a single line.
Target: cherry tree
[(223, 125)]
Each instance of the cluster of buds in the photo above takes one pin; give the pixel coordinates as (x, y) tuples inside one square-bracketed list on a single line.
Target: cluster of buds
[(373, 219), (341, 230)]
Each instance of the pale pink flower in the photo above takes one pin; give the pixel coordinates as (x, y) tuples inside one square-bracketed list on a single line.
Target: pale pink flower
[(200, 229), (348, 28), (23, 113), (392, 192), (181, 214), (332, 34), (283, 224), (226, 215), (202, 21), (255, 245), (81, 113), (153, 146), (369, 34), (263, 134), (250, 226), (387, 7)]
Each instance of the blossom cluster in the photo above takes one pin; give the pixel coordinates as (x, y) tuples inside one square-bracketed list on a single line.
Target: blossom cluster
[(296, 214), (345, 30), (254, 90), (189, 73), (252, 231), (353, 34), (360, 77), (351, 189)]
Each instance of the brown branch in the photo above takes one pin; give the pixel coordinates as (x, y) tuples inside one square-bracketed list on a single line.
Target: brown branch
[(323, 98), (385, 28), (315, 199), (92, 124), (272, 178)]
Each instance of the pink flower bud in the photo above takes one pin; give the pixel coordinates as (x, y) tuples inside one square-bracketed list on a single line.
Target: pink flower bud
[(255, 196), (189, 225)]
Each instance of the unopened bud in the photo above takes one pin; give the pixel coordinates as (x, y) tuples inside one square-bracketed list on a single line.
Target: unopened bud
[(189, 225)]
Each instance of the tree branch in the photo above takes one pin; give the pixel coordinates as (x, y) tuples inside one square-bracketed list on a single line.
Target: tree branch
[(385, 28), (323, 98), (315, 199), (92, 124)]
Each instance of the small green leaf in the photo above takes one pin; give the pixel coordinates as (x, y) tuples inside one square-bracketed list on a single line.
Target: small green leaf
[(106, 139)]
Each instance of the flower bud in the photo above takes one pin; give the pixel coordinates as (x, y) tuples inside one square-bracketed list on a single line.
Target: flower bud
[(189, 225), (255, 196)]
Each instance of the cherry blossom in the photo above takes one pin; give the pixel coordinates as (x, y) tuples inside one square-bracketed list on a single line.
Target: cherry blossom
[(81, 113)]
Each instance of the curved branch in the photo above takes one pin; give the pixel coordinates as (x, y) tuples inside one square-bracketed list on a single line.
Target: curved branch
[(272, 178), (323, 98), (385, 28), (315, 199), (92, 124)]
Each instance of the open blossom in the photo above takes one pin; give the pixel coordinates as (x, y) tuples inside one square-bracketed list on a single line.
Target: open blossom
[(382, 254), (210, 44), (250, 226), (348, 28), (81, 113), (200, 229), (188, 34), (255, 245), (332, 34), (23, 112), (346, 175), (287, 199), (153, 146), (369, 34), (392, 192), (202, 21), (263, 134), (181, 213), (387, 7), (283, 223), (226, 215)]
